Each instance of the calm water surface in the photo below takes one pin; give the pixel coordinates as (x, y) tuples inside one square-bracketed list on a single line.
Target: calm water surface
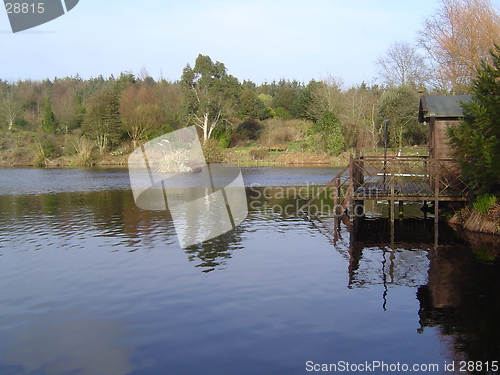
[(90, 284)]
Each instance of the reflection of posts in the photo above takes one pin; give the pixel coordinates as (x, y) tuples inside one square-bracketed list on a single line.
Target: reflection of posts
[(358, 181), (204, 204)]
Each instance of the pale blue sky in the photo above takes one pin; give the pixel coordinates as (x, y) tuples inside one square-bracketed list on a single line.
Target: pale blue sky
[(256, 39)]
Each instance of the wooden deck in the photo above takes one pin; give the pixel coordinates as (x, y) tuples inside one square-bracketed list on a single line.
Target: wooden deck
[(395, 179)]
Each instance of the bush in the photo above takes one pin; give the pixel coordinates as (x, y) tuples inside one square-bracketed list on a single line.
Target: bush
[(46, 148), (282, 113), (213, 152), (326, 135), (259, 153), (83, 151), (250, 129), (279, 131), (484, 203)]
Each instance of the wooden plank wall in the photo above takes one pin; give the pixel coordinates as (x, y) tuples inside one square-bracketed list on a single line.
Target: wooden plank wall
[(440, 147)]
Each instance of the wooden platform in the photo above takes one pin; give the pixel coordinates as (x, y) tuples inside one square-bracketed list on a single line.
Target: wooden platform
[(395, 179)]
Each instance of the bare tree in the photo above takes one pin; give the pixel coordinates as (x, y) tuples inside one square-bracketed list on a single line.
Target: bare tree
[(359, 117), (403, 65), (170, 100), (67, 109), (458, 37), (140, 112), (10, 105), (328, 95)]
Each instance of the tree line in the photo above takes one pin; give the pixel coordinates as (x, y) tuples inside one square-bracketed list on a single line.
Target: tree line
[(118, 113), (131, 109)]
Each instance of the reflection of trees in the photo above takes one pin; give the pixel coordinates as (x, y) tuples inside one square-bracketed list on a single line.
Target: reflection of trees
[(214, 253), (109, 213), (70, 216), (462, 298), (458, 289)]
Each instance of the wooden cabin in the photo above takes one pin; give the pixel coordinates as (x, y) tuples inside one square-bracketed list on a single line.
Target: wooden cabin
[(441, 111)]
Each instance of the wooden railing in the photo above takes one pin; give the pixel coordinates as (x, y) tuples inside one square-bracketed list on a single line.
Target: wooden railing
[(395, 178), (406, 176)]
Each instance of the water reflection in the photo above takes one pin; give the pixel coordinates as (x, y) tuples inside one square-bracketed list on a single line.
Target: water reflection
[(74, 300), (462, 299), (61, 344), (66, 220), (213, 254), (457, 280)]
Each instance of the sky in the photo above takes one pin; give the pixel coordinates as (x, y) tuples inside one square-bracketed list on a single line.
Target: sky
[(258, 40)]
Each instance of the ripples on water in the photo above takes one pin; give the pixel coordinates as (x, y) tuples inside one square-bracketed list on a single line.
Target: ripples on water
[(91, 284)]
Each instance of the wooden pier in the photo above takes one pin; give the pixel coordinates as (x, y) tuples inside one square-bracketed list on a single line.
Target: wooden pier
[(396, 179)]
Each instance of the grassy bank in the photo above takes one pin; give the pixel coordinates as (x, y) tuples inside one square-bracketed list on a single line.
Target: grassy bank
[(70, 151), (483, 217), (21, 157)]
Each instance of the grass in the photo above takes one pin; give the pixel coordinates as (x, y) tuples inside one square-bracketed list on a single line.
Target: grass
[(484, 203)]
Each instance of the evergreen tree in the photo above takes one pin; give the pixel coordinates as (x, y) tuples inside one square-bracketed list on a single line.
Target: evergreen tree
[(476, 140), (210, 93), (48, 122), (102, 119)]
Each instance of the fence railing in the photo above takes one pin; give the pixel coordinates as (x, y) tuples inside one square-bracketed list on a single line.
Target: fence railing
[(405, 176), (395, 178)]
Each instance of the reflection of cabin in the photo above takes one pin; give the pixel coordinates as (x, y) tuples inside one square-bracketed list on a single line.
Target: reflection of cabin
[(440, 111)]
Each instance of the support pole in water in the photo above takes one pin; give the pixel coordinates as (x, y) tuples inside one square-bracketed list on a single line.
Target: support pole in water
[(386, 139), (436, 191), (392, 208)]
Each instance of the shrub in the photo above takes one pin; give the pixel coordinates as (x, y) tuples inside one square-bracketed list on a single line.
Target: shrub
[(326, 135), (212, 151), (83, 151), (250, 129), (282, 113), (483, 203), (279, 131), (46, 148), (259, 153)]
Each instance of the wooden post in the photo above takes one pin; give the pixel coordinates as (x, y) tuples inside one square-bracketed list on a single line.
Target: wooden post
[(351, 189), (358, 180), (436, 190), (393, 214), (338, 210)]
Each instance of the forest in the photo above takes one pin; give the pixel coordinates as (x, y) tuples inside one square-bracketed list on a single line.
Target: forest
[(75, 121)]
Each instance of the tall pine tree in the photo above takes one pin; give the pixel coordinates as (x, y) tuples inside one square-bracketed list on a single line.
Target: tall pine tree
[(476, 140), (48, 121)]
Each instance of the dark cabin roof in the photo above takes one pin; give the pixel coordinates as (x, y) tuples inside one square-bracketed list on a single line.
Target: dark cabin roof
[(441, 106)]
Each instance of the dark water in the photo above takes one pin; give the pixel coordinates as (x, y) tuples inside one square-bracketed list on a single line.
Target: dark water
[(90, 284)]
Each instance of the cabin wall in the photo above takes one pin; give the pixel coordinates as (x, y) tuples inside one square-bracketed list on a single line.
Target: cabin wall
[(438, 138)]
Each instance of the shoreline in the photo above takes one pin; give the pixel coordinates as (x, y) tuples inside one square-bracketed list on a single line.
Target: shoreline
[(476, 222), (17, 158)]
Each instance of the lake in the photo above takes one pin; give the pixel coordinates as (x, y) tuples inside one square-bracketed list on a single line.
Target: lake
[(91, 284)]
